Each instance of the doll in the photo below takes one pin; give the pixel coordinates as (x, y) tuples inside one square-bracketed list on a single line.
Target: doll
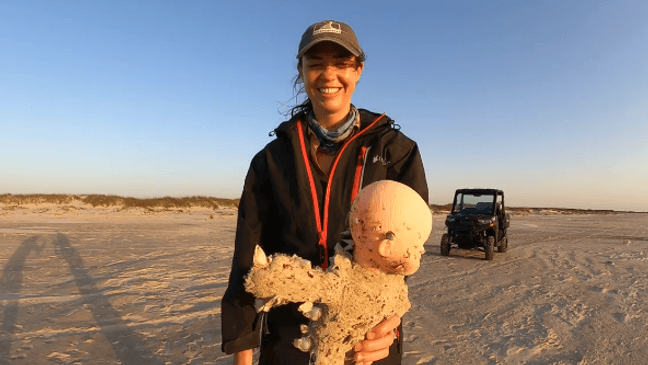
[(389, 224)]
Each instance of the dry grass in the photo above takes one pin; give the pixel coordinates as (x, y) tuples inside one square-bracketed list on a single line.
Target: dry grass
[(37, 199), (523, 210), (118, 201)]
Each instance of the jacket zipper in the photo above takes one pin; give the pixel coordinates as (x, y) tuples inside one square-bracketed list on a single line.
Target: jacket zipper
[(322, 224), (359, 172)]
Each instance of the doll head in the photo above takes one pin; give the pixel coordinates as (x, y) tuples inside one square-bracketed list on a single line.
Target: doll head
[(389, 222)]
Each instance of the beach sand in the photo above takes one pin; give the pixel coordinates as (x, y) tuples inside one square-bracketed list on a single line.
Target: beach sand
[(83, 285)]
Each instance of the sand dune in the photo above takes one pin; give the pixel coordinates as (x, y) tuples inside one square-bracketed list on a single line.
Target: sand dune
[(87, 285)]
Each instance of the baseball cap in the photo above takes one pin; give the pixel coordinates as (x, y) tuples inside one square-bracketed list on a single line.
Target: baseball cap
[(332, 31)]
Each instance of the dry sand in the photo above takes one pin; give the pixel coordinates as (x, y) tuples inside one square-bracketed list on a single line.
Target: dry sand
[(95, 286)]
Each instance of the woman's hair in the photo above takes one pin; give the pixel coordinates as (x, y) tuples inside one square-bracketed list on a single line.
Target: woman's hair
[(298, 88)]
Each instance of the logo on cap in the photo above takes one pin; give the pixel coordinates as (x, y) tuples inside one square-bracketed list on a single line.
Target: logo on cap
[(330, 27)]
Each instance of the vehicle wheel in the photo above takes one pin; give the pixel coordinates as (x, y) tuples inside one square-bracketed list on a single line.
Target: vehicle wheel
[(503, 245), (489, 247), (445, 245)]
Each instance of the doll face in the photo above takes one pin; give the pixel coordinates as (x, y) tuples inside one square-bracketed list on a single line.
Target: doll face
[(402, 253), (389, 223), (393, 251)]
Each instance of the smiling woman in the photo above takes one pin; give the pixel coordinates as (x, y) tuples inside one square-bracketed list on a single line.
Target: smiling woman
[(330, 74), (298, 192)]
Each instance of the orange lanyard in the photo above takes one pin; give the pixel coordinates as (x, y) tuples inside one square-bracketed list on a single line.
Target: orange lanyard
[(322, 224)]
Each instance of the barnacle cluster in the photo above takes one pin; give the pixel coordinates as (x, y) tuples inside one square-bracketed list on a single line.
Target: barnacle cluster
[(343, 302)]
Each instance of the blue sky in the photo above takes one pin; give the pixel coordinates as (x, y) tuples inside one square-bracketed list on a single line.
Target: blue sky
[(547, 100)]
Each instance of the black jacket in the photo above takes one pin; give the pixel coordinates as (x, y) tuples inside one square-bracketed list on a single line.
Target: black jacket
[(276, 211)]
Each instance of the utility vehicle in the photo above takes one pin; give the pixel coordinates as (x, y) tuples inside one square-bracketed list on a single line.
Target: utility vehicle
[(477, 220)]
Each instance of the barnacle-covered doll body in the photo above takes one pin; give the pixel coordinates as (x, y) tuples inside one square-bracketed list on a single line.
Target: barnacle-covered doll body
[(389, 223)]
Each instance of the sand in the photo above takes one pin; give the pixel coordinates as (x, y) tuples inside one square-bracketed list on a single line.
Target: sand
[(83, 285)]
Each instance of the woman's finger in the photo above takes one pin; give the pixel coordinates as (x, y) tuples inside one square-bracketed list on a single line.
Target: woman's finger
[(376, 343), (370, 356), (386, 326), (378, 340), (374, 349)]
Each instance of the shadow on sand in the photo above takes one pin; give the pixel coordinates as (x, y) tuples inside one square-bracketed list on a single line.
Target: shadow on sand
[(128, 347), (10, 285)]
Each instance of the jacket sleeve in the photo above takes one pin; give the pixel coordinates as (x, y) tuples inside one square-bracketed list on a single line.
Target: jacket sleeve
[(409, 171), (240, 324)]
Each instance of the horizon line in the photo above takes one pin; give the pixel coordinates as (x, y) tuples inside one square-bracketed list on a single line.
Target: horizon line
[(197, 199)]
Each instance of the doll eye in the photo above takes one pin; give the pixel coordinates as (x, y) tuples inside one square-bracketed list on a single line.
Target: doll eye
[(390, 235)]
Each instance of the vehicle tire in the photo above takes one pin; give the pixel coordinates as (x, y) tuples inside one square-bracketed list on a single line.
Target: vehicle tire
[(503, 245), (489, 247), (445, 245)]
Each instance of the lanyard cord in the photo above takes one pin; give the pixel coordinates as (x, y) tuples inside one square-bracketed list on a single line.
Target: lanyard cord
[(322, 226)]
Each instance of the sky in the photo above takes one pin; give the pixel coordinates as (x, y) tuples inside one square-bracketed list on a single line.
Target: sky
[(546, 100)]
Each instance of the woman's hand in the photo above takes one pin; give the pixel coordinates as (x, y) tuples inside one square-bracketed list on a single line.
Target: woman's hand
[(376, 346)]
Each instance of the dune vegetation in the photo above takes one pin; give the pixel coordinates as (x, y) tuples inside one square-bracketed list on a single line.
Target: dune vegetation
[(97, 200)]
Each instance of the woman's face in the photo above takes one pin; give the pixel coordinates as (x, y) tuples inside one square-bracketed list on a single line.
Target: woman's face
[(330, 74)]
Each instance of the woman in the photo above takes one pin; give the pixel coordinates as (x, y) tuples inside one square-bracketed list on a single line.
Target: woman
[(299, 189)]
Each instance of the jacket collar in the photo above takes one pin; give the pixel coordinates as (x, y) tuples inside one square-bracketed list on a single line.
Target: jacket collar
[(366, 118)]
